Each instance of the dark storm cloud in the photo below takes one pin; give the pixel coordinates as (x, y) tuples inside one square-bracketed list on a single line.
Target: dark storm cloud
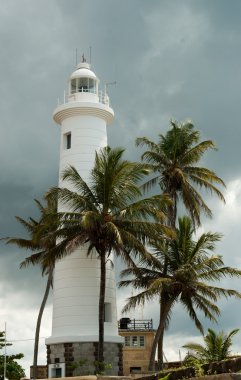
[(170, 59)]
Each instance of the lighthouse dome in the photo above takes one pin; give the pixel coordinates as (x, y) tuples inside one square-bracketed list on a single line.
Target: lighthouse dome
[(83, 70)]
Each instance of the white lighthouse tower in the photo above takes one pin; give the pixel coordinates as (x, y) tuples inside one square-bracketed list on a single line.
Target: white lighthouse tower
[(83, 119)]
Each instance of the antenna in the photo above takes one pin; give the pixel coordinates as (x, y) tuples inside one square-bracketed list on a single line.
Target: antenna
[(90, 55), (109, 84), (76, 56), (5, 353)]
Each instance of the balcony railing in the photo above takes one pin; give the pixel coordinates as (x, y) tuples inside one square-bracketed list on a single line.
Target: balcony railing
[(103, 97), (135, 324)]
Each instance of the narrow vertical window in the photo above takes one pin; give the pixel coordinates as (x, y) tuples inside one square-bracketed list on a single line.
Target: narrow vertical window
[(73, 86), (107, 312), (142, 341), (67, 141), (134, 341)]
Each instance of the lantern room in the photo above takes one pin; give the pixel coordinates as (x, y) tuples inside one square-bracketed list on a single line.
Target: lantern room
[(83, 84)]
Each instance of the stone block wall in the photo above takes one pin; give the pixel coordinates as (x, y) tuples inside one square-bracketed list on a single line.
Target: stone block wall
[(79, 357)]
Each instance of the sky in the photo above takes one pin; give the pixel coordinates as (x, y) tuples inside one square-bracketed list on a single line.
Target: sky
[(170, 59)]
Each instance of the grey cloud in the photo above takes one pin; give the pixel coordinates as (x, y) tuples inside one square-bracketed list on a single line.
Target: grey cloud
[(169, 58)]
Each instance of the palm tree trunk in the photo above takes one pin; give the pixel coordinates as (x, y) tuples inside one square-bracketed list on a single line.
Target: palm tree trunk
[(160, 350), (102, 308), (171, 220), (38, 325), (165, 308), (172, 209)]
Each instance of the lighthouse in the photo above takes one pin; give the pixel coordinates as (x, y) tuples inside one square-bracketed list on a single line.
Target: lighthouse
[(83, 120)]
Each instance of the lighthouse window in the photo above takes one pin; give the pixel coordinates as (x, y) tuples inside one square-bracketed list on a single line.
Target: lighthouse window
[(73, 86), (83, 85), (107, 312), (92, 85), (67, 141)]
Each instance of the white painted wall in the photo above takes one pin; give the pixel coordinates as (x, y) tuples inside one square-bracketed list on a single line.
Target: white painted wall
[(77, 278)]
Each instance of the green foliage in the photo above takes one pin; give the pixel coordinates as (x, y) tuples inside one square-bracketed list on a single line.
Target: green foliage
[(101, 367), (14, 371), (82, 367), (45, 251), (182, 273), (79, 363), (191, 361), (2, 340), (216, 347), (174, 160), (165, 377)]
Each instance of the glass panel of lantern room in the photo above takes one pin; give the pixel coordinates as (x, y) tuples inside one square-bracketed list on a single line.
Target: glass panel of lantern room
[(73, 86), (92, 87), (83, 85)]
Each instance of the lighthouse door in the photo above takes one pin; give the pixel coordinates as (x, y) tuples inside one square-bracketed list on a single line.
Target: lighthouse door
[(58, 372)]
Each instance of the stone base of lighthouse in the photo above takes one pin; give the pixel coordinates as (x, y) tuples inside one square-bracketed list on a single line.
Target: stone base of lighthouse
[(78, 359)]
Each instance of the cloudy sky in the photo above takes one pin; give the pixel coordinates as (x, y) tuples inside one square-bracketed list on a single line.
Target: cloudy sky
[(170, 59)]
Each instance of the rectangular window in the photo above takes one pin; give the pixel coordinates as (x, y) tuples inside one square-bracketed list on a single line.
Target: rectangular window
[(127, 341), (67, 141), (135, 369), (142, 341), (107, 312), (134, 341), (73, 86)]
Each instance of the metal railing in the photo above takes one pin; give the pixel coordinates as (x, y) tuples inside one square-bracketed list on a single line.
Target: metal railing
[(135, 324), (103, 97)]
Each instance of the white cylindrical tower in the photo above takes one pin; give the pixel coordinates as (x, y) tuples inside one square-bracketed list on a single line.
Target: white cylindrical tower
[(83, 119)]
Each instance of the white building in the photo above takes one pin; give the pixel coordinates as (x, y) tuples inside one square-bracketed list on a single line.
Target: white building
[(83, 119)]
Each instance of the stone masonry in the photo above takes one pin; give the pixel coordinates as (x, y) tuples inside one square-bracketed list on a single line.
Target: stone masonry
[(79, 358)]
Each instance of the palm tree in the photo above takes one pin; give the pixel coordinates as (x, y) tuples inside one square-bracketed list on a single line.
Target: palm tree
[(42, 242), (183, 273), (109, 215), (216, 347), (174, 160)]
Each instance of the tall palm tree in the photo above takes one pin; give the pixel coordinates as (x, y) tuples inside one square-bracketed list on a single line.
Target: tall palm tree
[(110, 215), (42, 243), (216, 347), (174, 160), (183, 273)]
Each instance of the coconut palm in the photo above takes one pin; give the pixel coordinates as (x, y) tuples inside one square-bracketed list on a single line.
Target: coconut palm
[(110, 215), (42, 243), (216, 347), (183, 273), (174, 160)]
